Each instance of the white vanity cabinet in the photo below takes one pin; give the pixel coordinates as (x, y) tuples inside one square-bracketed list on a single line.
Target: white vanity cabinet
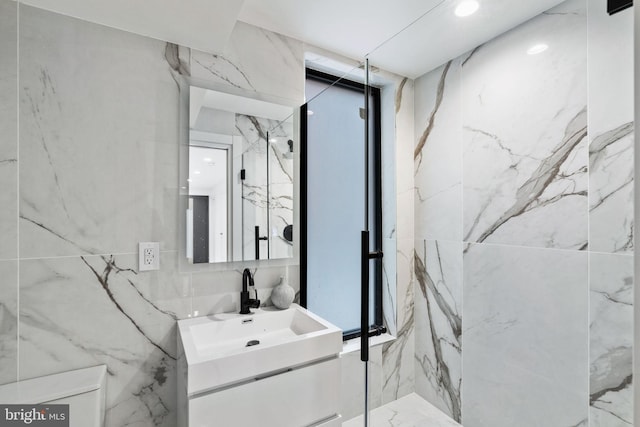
[(308, 396), (268, 369)]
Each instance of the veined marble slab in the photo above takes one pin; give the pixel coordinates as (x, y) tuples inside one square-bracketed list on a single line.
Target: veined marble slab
[(525, 337), (8, 130), (398, 376), (438, 153), (611, 340), (255, 60), (610, 130), (83, 311), (98, 139), (408, 411), (438, 319), (525, 134)]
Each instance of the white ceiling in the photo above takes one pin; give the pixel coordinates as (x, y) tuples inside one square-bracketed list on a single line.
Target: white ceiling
[(355, 28), (352, 28)]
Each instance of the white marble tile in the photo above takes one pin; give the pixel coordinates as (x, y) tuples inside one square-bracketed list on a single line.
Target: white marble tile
[(610, 130), (389, 285), (389, 94), (83, 311), (405, 212), (611, 340), (525, 127), (525, 337), (8, 130), (408, 411), (404, 162), (397, 356), (438, 153), (352, 391), (255, 60), (404, 135), (98, 139), (438, 320), (404, 281), (8, 321)]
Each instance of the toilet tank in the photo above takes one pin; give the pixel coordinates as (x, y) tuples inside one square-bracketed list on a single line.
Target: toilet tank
[(83, 390)]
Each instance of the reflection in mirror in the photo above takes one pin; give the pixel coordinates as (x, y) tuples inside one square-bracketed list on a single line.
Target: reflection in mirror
[(240, 178)]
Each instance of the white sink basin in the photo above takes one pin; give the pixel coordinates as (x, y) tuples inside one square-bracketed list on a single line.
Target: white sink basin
[(217, 351)]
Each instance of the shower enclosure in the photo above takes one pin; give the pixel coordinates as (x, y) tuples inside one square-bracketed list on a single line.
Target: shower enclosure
[(507, 197)]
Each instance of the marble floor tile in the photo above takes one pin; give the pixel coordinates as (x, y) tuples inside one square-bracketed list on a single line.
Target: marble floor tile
[(408, 411)]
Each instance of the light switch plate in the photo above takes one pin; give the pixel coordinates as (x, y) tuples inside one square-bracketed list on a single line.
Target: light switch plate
[(148, 256)]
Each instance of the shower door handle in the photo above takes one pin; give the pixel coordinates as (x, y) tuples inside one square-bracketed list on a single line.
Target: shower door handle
[(365, 257)]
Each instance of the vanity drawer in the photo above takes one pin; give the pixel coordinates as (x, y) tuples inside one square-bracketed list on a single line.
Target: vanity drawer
[(300, 397)]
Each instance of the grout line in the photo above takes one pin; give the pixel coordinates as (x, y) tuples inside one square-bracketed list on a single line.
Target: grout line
[(461, 277), (588, 317), (18, 190), (89, 255)]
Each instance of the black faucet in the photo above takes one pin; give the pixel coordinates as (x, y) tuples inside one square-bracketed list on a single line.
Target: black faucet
[(245, 301)]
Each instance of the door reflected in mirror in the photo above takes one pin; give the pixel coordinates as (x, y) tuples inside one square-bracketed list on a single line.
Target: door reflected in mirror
[(241, 175)]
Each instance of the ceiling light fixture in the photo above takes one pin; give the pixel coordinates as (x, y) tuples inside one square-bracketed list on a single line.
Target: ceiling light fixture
[(207, 159), (466, 8), (538, 48)]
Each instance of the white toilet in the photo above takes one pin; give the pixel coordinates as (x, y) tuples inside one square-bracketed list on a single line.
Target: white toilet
[(83, 390)]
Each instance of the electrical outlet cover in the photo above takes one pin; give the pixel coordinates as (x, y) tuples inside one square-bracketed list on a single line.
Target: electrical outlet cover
[(148, 256)]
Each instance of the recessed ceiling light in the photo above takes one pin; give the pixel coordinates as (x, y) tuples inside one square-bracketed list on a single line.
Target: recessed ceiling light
[(188, 179), (196, 172), (207, 159), (309, 113), (273, 140), (466, 8), (538, 48)]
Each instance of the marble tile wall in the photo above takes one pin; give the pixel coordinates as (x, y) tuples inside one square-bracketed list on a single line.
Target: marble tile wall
[(523, 223), (256, 60), (98, 159), (611, 225), (611, 340), (8, 191), (397, 366)]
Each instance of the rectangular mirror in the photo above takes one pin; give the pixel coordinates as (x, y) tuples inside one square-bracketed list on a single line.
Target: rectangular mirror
[(241, 178)]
